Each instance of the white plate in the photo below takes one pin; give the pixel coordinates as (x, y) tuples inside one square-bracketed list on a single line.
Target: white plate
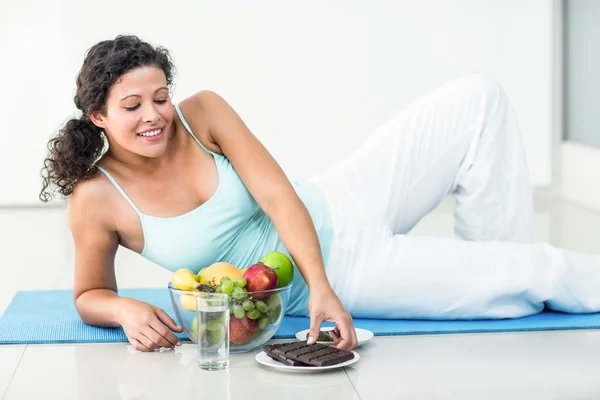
[(362, 335), (265, 360)]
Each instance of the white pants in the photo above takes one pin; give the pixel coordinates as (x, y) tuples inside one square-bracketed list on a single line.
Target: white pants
[(461, 139)]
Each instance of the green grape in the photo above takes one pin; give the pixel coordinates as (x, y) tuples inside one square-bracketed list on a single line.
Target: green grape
[(214, 325), (227, 287), (248, 305), (272, 316), (240, 282), (274, 303), (221, 319), (218, 289), (263, 322), (239, 293), (224, 279), (238, 312), (254, 314), (261, 306), (216, 337)]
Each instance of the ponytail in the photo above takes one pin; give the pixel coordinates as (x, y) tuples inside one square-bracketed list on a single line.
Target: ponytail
[(73, 153)]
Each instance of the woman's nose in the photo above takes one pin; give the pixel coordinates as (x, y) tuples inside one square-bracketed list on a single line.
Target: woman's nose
[(150, 114)]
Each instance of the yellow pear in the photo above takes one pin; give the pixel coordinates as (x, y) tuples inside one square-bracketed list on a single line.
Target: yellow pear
[(188, 301)]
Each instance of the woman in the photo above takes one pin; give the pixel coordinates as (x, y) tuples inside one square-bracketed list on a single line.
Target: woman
[(187, 185)]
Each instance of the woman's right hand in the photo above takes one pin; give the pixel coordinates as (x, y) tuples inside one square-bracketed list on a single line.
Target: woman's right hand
[(147, 327)]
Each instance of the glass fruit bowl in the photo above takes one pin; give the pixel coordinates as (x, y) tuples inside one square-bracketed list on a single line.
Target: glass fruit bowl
[(253, 320)]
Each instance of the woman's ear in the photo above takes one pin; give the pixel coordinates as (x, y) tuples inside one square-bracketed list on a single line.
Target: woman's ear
[(98, 119)]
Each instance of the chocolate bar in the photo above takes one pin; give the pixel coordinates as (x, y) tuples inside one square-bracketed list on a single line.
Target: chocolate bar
[(317, 354)]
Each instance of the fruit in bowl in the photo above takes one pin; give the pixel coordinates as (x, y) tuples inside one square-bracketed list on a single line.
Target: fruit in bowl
[(282, 266), (260, 278), (216, 271), (255, 315)]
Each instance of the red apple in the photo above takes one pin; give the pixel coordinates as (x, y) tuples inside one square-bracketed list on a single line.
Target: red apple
[(241, 330), (259, 277)]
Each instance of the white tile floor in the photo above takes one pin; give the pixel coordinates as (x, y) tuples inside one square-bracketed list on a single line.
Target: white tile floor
[(37, 254)]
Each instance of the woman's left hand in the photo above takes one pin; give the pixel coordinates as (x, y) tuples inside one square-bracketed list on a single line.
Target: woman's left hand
[(324, 305)]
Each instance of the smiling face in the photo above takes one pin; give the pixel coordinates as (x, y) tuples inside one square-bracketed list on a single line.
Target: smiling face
[(139, 113)]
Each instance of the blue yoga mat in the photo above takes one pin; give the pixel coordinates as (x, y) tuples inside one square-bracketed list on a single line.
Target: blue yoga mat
[(50, 317)]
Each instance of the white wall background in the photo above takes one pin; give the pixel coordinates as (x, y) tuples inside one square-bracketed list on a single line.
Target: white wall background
[(311, 78)]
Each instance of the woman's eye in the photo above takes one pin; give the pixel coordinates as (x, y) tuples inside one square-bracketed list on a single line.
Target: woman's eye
[(137, 106)]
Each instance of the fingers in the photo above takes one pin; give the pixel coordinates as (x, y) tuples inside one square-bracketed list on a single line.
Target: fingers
[(147, 343), (315, 327), (138, 345), (165, 335), (149, 340), (168, 321), (157, 339), (335, 335), (347, 335), (150, 333)]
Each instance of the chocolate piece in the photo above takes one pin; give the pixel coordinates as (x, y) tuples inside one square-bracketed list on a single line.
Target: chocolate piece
[(324, 336), (317, 354), (283, 359)]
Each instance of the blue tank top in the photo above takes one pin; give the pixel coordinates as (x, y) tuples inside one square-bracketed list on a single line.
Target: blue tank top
[(230, 226)]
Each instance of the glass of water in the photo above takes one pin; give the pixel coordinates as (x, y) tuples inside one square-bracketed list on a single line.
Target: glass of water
[(212, 325)]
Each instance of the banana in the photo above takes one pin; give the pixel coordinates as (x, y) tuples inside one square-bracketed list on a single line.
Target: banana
[(185, 279)]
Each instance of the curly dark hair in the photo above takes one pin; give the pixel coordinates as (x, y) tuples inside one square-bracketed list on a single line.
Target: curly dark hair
[(73, 152)]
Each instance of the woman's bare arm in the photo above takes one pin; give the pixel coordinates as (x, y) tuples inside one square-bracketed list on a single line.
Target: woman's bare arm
[(95, 286), (95, 289)]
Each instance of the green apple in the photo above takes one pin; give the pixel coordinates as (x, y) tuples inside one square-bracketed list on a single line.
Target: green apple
[(282, 266)]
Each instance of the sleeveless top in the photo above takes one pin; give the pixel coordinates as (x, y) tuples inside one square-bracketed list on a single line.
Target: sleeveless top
[(230, 226)]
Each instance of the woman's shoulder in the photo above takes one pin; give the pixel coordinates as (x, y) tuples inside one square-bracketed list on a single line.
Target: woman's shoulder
[(91, 196), (203, 99), (199, 107), (200, 110), (91, 215), (92, 188)]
